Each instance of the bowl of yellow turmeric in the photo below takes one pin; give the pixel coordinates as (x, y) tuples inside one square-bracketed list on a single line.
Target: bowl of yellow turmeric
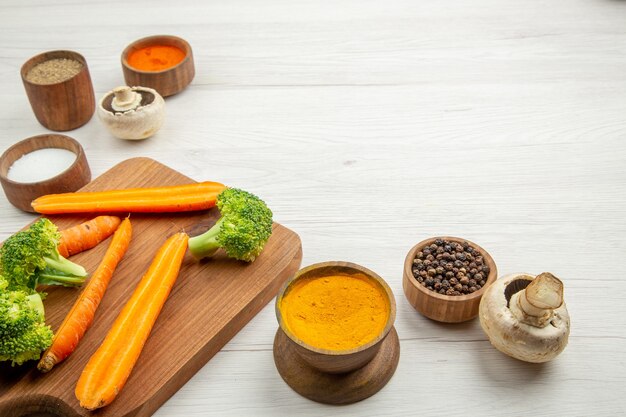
[(336, 342)]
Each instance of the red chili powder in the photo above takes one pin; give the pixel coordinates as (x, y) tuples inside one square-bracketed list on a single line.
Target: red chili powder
[(155, 57)]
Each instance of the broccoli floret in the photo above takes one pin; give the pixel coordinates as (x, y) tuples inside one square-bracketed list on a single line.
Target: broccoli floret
[(31, 257), (23, 333), (242, 230)]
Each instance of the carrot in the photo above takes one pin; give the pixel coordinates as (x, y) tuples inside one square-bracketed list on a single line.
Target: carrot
[(81, 315), (108, 369), (87, 235), (188, 197)]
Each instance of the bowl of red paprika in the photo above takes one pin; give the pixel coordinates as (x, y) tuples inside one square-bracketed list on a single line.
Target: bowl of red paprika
[(162, 62)]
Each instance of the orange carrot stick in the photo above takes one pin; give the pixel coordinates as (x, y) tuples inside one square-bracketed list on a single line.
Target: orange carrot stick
[(87, 235), (81, 315), (188, 197), (108, 369)]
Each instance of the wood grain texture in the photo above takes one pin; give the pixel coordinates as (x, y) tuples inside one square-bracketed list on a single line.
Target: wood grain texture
[(74, 177), (369, 126), (336, 388), (439, 307), (65, 105), (210, 302)]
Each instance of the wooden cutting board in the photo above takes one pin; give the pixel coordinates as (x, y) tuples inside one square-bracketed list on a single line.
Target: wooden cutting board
[(211, 301)]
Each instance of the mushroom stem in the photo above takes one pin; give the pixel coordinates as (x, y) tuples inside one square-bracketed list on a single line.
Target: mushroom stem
[(536, 303), (125, 99)]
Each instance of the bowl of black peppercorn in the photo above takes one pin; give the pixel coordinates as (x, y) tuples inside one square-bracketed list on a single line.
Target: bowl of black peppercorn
[(445, 277)]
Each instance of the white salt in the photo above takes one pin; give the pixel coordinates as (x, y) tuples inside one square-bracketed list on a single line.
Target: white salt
[(41, 164)]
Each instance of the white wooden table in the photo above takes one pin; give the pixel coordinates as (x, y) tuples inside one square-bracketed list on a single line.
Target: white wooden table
[(368, 126)]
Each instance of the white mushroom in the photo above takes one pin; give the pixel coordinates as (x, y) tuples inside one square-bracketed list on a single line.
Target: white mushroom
[(525, 317), (132, 112)]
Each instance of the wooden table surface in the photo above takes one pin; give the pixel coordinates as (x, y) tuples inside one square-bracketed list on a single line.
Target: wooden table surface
[(368, 126)]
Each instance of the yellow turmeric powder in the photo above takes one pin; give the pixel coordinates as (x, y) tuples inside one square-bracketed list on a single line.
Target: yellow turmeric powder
[(335, 312)]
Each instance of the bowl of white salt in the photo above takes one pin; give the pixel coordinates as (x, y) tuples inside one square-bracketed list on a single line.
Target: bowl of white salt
[(41, 165)]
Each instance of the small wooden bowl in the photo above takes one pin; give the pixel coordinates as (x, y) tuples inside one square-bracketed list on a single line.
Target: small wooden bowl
[(21, 194), (444, 308), (336, 361), (168, 81), (65, 105)]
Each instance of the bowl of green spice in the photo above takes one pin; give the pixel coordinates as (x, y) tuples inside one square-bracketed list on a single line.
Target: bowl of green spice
[(59, 89)]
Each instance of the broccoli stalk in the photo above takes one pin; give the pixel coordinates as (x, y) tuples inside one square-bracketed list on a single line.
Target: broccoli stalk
[(206, 244), (30, 257), (61, 271), (242, 230)]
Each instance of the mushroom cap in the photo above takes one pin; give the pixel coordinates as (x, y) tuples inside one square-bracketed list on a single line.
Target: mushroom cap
[(140, 123), (513, 337)]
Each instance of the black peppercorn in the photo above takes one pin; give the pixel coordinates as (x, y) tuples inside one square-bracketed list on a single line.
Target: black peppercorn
[(450, 267)]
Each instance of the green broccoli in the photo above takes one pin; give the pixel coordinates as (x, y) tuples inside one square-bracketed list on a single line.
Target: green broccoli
[(23, 333), (242, 230), (30, 257)]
